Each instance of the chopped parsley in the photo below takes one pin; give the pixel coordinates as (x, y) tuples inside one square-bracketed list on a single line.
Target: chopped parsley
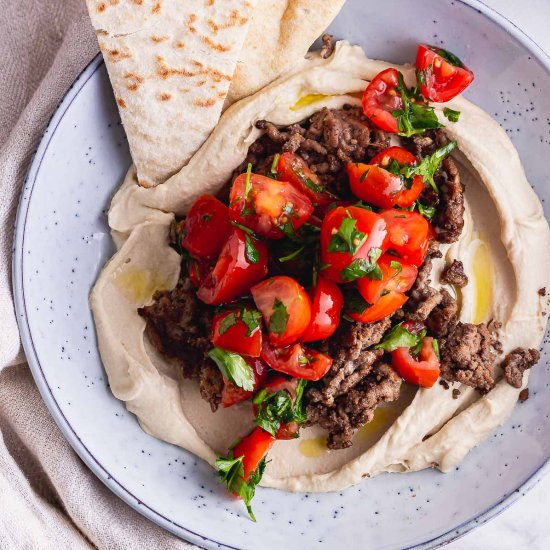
[(364, 267), (273, 172), (250, 317), (399, 337), (252, 254), (354, 302), (348, 239), (234, 368), (451, 114), (279, 318), (231, 472), (248, 183), (430, 164), (278, 408), (449, 57), (414, 117), (427, 211), (394, 264)]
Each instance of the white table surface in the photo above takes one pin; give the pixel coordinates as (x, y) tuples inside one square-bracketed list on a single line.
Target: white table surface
[(525, 524)]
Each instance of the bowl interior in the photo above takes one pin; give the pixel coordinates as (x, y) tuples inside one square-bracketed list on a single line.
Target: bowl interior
[(63, 241)]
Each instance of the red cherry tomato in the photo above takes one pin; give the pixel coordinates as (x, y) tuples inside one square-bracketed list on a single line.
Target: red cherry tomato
[(327, 302), (423, 372), (383, 159), (234, 272), (444, 75), (294, 170), (253, 448), (232, 394), (380, 98), (271, 207), (236, 338), (288, 431), (396, 275), (386, 305), (198, 270), (285, 307), (207, 227), (409, 234), (374, 185), (367, 222), (296, 361)]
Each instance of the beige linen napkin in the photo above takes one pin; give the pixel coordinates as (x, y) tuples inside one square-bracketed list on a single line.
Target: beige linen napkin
[(48, 497)]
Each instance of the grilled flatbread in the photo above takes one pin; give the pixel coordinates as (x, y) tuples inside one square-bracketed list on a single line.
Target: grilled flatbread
[(171, 63)]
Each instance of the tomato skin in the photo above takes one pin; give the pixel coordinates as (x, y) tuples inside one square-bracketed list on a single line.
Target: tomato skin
[(442, 80), (385, 306), (399, 154), (400, 279), (207, 227), (327, 301), (293, 169), (367, 222), (374, 185), (264, 210), (380, 99), (409, 234), (287, 361), (294, 299), (233, 273), (235, 338), (232, 394), (424, 372), (198, 270), (253, 448), (288, 431)]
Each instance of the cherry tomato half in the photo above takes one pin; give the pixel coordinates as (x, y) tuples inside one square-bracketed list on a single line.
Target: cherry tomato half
[(293, 169), (236, 337), (232, 394), (296, 361), (423, 372), (253, 448), (285, 307), (207, 227), (234, 271), (409, 234), (371, 225), (374, 185), (271, 208), (396, 275), (383, 159), (386, 305), (380, 98), (444, 75), (327, 302)]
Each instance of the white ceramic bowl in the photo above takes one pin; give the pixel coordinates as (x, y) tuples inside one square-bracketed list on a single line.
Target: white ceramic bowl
[(62, 242)]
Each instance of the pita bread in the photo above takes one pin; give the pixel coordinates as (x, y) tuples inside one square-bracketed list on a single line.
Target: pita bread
[(170, 63), (280, 34)]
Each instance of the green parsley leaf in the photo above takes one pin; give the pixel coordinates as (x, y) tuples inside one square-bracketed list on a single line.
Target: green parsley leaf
[(394, 264), (228, 321), (449, 57), (398, 337), (413, 118), (361, 204), (427, 211), (348, 239), (416, 349), (251, 318), (451, 114), (242, 227), (435, 345), (248, 183), (234, 368), (279, 318), (292, 255), (363, 267), (252, 254), (354, 302), (430, 164), (248, 490)]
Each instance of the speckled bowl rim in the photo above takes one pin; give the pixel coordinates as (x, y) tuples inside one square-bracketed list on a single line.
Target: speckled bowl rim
[(36, 368)]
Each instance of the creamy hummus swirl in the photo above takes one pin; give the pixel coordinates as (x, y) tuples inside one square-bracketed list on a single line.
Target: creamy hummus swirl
[(504, 248)]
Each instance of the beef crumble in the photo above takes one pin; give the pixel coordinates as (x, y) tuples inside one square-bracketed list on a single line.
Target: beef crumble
[(516, 363), (178, 325), (328, 45), (468, 355), (454, 274)]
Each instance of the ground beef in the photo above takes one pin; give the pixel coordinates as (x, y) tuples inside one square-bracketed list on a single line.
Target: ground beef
[(328, 45), (516, 362), (178, 325), (454, 274), (443, 317), (523, 395), (456, 393), (468, 356), (542, 291), (449, 203), (326, 141), (356, 407)]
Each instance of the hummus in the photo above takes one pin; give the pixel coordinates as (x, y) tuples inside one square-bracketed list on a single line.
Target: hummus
[(424, 428)]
